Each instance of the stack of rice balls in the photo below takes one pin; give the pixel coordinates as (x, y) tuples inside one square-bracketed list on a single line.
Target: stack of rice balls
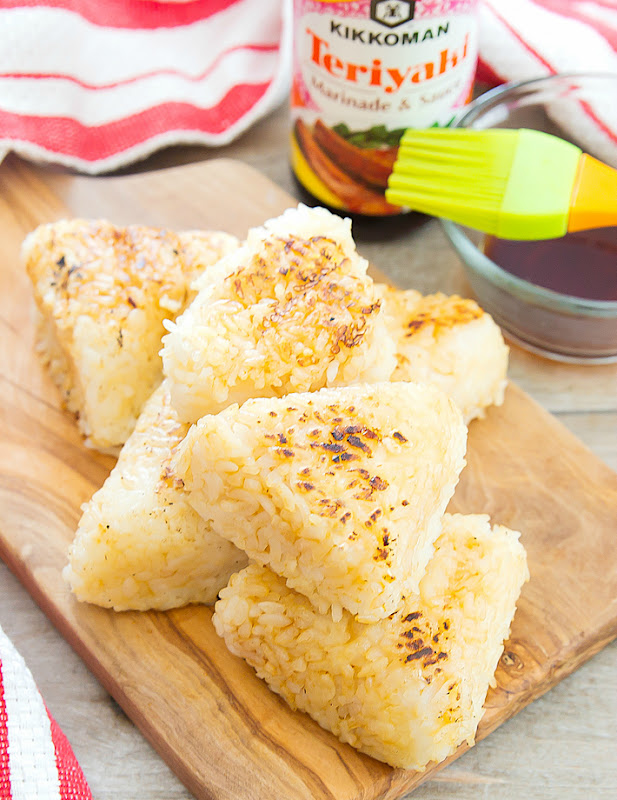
[(291, 452)]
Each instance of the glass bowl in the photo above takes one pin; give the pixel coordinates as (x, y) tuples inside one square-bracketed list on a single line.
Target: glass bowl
[(579, 108)]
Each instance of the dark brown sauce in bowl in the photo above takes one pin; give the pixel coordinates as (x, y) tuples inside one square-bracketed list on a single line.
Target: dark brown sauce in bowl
[(549, 297), (582, 264), (557, 299)]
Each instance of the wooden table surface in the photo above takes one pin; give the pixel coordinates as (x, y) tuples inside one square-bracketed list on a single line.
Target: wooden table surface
[(563, 746)]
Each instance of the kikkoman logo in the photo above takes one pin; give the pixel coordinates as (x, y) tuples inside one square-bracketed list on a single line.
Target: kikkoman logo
[(392, 12)]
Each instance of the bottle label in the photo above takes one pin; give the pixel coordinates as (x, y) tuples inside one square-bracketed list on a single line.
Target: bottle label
[(365, 71)]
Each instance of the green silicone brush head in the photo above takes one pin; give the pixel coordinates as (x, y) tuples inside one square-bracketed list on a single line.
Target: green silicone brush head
[(515, 184)]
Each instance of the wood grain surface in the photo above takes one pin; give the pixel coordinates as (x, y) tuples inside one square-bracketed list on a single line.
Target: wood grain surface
[(211, 719)]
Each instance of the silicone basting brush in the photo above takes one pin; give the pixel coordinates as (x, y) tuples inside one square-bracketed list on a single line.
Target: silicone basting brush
[(515, 184)]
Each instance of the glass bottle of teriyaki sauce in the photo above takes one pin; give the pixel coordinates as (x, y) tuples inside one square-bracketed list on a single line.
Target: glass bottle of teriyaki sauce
[(364, 71)]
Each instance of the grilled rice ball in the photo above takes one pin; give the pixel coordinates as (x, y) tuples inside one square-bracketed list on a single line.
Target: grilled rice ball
[(340, 491), (449, 342), (139, 544), (103, 292), (408, 689), (292, 310)]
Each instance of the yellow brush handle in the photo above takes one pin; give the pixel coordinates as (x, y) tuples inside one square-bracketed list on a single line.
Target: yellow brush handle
[(593, 202)]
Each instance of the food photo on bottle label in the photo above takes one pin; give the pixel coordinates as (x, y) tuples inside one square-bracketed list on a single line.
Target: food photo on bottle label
[(363, 72)]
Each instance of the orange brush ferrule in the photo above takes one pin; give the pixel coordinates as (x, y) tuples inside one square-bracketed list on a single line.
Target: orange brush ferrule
[(593, 202)]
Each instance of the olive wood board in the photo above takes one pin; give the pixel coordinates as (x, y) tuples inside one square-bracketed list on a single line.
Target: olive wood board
[(219, 727)]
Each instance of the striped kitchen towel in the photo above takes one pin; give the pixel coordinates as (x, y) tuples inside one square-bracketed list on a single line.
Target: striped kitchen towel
[(523, 39), (532, 38), (96, 85), (36, 760)]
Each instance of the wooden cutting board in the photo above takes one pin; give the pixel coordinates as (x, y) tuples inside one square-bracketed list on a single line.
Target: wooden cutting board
[(218, 727)]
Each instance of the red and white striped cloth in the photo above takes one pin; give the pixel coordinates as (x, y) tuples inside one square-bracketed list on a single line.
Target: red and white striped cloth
[(523, 39), (36, 760), (95, 85)]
